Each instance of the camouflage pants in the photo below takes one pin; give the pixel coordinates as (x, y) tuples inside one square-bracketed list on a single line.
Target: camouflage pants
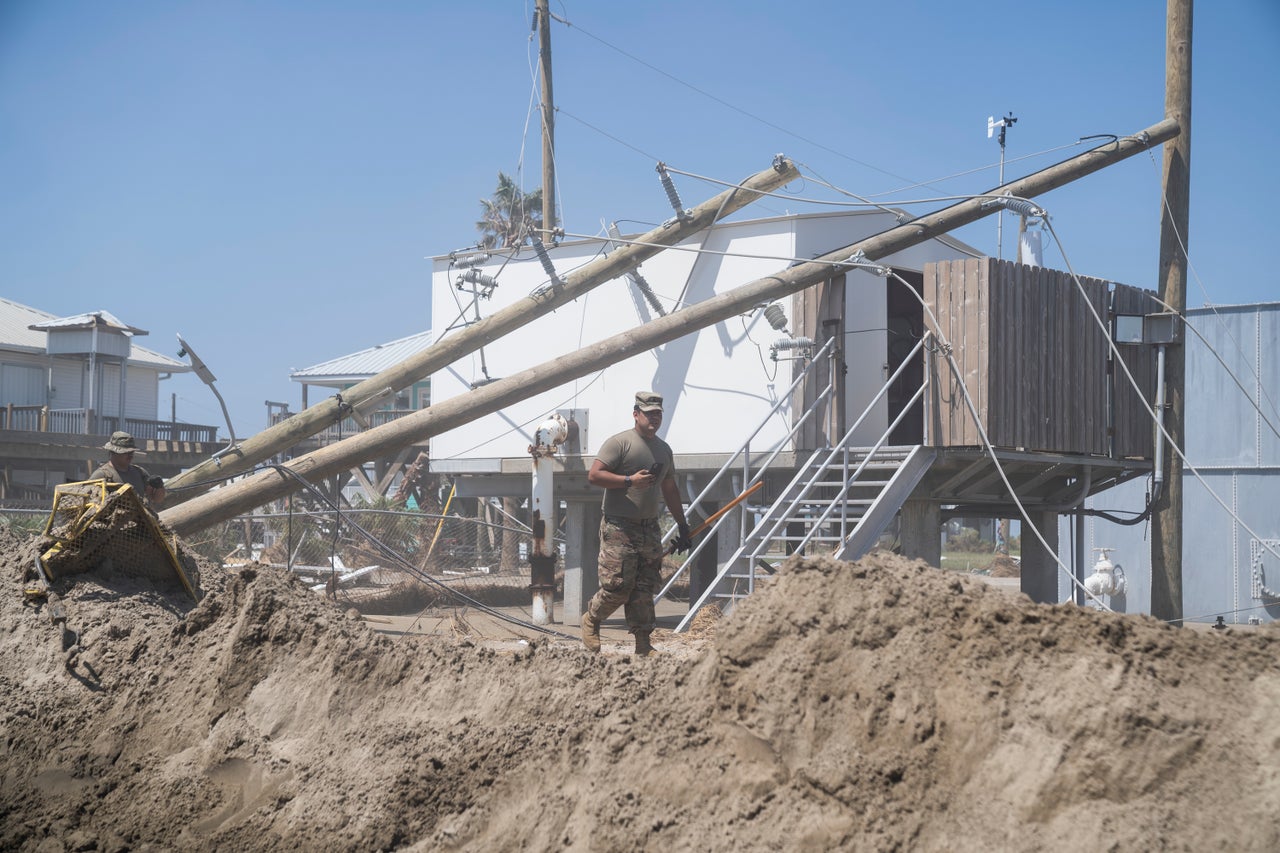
[(630, 560)]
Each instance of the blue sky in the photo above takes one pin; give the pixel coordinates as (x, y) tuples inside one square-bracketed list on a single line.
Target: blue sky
[(268, 178)]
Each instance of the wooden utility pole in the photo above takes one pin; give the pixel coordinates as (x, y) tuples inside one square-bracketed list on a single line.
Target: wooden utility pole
[(235, 498), (371, 391), (1166, 520), (548, 123)]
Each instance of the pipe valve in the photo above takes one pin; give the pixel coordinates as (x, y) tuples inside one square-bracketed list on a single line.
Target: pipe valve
[(1107, 577)]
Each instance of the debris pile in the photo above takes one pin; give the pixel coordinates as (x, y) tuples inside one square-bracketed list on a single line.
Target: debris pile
[(880, 705)]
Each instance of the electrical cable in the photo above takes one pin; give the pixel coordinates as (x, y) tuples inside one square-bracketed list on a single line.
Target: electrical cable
[(606, 134), (411, 569), (1218, 357), (500, 435), (1182, 246), (1154, 418), (382, 548), (862, 200), (989, 166), (946, 351), (728, 105)]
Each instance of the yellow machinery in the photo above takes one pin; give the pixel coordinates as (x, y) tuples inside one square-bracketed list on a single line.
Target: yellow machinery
[(96, 521)]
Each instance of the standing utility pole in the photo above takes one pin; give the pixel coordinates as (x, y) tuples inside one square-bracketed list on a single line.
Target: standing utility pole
[(543, 16), (1166, 524)]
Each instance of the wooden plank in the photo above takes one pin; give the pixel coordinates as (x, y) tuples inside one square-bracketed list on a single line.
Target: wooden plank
[(951, 325), (980, 343), (933, 398), (998, 351), (956, 285)]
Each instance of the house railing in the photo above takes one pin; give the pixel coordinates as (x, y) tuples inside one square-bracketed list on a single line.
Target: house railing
[(348, 427), (86, 422)]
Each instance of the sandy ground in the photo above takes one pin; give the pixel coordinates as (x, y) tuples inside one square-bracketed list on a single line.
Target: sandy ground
[(881, 705)]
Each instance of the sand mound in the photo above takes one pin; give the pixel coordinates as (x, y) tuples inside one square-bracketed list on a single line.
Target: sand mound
[(877, 706)]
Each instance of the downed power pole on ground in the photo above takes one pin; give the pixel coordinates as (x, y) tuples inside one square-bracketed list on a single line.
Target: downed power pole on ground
[(315, 418), (236, 498)]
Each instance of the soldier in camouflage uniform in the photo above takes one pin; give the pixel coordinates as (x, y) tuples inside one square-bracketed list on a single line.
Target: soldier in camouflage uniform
[(120, 469), (628, 467)]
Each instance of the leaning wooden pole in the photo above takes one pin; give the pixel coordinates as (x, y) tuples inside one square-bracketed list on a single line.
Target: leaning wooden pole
[(312, 420), (1166, 520), (455, 412)]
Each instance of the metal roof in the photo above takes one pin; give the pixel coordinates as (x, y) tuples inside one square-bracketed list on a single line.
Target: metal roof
[(98, 319), (365, 363), (17, 335)]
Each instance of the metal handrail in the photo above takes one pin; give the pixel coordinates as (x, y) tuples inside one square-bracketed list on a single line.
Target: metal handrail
[(800, 490), (849, 479), (775, 519), (826, 350)]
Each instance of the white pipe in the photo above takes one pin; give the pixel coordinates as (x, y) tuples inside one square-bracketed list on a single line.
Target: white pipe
[(1157, 466), (542, 506)]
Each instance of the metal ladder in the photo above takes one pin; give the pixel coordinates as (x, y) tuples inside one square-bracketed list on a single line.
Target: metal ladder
[(838, 502)]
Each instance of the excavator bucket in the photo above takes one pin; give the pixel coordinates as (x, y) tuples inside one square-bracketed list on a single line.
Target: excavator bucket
[(96, 521)]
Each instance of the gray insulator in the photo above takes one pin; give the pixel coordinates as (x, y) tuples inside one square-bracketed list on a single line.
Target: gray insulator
[(1023, 207), (477, 277), (470, 260), (776, 317), (646, 291), (793, 343), (1016, 205), (672, 195), (545, 259)]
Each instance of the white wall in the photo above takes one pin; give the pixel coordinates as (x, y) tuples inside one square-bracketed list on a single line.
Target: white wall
[(22, 381), (718, 384), (26, 378), (141, 392)]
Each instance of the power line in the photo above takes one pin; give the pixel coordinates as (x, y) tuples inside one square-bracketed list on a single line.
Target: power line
[(726, 104)]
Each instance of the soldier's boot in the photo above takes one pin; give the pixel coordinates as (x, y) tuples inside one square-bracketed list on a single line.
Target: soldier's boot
[(643, 647), (590, 632)]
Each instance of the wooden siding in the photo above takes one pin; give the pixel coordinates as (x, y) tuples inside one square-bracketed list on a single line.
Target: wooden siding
[(1031, 355)]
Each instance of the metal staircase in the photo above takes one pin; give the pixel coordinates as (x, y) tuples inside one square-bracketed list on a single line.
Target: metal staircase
[(838, 502)]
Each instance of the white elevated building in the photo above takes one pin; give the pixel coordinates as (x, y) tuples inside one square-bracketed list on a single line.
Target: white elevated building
[(66, 383)]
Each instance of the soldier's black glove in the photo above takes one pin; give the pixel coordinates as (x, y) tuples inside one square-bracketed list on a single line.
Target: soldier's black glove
[(683, 542), (155, 482)]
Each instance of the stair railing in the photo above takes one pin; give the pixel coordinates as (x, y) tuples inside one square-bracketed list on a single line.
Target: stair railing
[(827, 350)]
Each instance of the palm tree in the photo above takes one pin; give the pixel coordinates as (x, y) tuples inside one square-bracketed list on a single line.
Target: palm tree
[(509, 216)]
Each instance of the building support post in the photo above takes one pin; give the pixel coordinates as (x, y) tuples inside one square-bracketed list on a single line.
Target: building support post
[(707, 565), (1040, 567), (920, 531), (581, 557)]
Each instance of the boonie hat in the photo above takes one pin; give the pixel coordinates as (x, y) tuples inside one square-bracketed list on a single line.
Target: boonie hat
[(647, 401), (122, 442)]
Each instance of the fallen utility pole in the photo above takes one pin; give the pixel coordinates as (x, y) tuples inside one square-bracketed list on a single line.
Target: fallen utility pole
[(455, 412), (312, 420)]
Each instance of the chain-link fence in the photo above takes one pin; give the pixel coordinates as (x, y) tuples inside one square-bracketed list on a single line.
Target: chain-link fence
[(377, 560), (24, 520), (382, 560)]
